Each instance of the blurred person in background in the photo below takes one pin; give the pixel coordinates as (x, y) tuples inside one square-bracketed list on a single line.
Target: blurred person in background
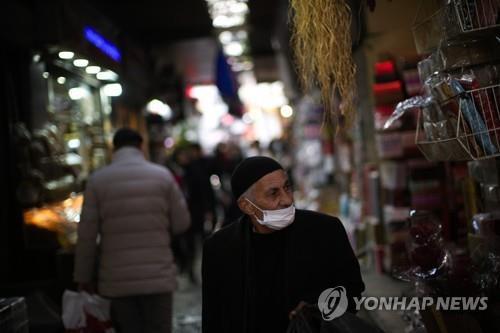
[(259, 271), (200, 197), (226, 157), (254, 149), (177, 164), (131, 210)]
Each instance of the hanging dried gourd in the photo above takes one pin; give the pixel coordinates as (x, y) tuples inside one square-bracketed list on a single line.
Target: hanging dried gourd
[(321, 39)]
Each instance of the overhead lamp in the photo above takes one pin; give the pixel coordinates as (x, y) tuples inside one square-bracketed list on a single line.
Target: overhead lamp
[(61, 80), (238, 8), (66, 55), (112, 89), (80, 63), (156, 106), (286, 111), (93, 69), (225, 37), (107, 76), (45, 75), (224, 21), (73, 143), (234, 49), (77, 93)]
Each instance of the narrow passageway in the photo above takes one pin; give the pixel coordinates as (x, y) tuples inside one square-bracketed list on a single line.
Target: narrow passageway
[(187, 303), (349, 149)]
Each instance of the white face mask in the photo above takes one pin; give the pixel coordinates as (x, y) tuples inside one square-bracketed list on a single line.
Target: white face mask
[(276, 219)]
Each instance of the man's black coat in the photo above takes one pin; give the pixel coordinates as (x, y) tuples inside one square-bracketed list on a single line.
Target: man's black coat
[(318, 256)]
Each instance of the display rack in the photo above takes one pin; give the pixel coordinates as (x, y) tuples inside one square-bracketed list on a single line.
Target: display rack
[(477, 130), (477, 15), (458, 19)]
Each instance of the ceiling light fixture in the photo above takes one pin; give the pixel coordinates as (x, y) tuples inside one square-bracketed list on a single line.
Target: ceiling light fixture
[(77, 93), (225, 37), (112, 89), (286, 111), (107, 76), (80, 63), (93, 69), (234, 49), (66, 55)]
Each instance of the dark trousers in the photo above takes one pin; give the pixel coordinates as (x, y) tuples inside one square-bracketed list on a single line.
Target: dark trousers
[(142, 314)]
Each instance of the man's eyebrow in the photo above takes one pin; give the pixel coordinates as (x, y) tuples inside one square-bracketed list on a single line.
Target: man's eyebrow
[(273, 189), (277, 187)]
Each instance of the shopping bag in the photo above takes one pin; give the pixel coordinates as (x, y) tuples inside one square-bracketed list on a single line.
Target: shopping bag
[(85, 313), (73, 316)]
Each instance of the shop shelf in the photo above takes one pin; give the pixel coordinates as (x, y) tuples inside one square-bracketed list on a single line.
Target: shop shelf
[(477, 130), (477, 15), (459, 20)]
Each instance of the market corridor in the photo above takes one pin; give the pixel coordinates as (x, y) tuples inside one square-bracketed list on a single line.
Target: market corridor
[(246, 166)]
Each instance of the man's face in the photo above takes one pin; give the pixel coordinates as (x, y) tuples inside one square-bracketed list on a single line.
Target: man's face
[(273, 191)]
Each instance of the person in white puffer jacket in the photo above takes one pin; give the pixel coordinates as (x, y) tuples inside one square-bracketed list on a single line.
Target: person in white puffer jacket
[(131, 210)]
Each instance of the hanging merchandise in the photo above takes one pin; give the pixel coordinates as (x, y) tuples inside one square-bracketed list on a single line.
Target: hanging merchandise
[(461, 117), (440, 21), (322, 42)]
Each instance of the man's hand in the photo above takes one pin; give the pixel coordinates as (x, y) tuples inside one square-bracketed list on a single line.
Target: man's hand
[(87, 287), (297, 309)]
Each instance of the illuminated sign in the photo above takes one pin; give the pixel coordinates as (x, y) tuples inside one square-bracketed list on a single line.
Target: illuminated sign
[(102, 44)]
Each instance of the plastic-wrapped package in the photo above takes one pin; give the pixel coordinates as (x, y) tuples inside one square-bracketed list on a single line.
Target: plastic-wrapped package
[(437, 124), (487, 75), (402, 108), (473, 118), (458, 54), (486, 103), (429, 66), (426, 246), (487, 225), (486, 252)]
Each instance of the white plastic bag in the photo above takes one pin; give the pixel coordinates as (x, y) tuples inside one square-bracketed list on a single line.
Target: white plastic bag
[(73, 316), (85, 313)]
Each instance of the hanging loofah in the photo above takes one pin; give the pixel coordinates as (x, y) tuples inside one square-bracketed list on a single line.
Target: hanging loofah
[(321, 39)]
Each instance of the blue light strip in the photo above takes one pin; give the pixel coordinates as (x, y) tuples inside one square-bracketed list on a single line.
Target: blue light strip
[(102, 44)]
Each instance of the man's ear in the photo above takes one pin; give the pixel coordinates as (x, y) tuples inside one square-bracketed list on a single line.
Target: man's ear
[(245, 206)]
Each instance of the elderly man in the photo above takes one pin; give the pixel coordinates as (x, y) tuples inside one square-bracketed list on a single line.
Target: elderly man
[(259, 270), (133, 207)]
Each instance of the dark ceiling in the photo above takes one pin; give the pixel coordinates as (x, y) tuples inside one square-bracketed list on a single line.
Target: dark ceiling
[(153, 23), (262, 24)]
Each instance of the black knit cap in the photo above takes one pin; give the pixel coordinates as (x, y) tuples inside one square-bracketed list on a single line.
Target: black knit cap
[(249, 171)]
